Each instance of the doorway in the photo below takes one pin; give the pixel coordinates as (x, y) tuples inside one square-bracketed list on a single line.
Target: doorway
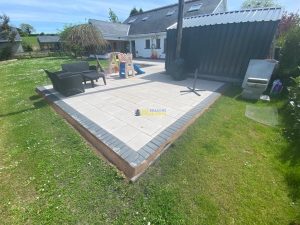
[(133, 49)]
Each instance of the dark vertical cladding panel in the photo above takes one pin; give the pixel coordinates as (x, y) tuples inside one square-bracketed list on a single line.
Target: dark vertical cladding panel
[(223, 50)]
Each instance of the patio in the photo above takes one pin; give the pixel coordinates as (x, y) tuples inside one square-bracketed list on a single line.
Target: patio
[(105, 115)]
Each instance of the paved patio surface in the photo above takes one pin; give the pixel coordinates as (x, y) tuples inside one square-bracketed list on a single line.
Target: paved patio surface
[(107, 113)]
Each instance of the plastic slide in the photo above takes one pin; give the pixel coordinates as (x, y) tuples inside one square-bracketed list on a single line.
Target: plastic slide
[(138, 69)]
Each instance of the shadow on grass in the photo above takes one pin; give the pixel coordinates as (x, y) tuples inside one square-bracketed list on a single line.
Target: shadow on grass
[(291, 157), (40, 103), (53, 58)]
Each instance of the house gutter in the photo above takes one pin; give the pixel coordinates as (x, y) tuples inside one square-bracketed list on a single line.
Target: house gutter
[(145, 35)]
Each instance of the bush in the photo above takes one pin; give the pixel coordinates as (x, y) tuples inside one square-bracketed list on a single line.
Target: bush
[(6, 53), (290, 58), (27, 47), (294, 108), (59, 54)]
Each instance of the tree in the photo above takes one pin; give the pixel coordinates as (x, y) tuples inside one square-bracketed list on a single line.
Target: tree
[(84, 38), (249, 4), (6, 32), (288, 22), (4, 22), (290, 58), (113, 17), (27, 28), (133, 12)]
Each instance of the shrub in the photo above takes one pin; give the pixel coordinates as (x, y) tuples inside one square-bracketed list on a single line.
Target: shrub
[(294, 108), (27, 47), (290, 58), (288, 21), (6, 53)]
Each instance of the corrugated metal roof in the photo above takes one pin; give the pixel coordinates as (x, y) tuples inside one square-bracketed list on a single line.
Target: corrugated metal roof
[(242, 16)]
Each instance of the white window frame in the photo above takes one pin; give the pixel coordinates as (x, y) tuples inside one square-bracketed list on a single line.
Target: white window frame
[(171, 12), (195, 7), (132, 20)]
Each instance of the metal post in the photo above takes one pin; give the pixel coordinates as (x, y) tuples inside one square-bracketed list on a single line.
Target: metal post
[(179, 28)]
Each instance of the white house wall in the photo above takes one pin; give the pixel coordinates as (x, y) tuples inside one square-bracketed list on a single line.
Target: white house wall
[(140, 45)]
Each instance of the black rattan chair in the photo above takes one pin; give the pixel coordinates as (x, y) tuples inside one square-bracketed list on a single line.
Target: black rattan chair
[(66, 83)]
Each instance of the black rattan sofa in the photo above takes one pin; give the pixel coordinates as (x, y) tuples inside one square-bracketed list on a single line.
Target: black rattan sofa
[(88, 72)]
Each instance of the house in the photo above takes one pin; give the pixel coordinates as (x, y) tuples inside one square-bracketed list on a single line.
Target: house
[(220, 45), (17, 45), (49, 43), (144, 34)]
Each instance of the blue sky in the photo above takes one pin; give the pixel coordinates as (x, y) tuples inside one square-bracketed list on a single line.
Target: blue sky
[(51, 16)]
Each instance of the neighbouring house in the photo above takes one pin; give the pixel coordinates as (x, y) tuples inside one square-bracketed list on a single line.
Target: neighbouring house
[(220, 45), (144, 34), (49, 43), (116, 34), (17, 45)]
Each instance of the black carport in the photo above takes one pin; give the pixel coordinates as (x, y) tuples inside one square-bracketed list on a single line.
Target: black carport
[(220, 45)]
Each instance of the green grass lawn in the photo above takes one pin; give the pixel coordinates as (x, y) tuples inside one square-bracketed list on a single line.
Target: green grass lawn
[(225, 169)]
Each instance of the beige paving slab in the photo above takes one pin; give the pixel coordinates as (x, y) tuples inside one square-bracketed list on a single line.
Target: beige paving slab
[(113, 106)]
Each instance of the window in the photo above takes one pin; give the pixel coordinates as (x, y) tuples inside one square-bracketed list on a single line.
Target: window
[(195, 7), (165, 45), (170, 13), (132, 20), (157, 43), (147, 44), (145, 18)]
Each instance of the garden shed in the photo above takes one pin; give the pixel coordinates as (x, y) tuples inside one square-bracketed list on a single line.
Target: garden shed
[(221, 45), (49, 42)]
